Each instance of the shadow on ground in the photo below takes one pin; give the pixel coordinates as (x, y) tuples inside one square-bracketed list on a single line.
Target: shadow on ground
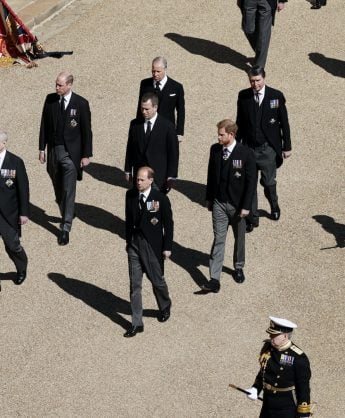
[(332, 227), (40, 218), (331, 65), (211, 50), (99, 299)]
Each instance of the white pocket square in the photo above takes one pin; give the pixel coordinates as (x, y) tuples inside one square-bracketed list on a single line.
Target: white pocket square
[(172, 94)]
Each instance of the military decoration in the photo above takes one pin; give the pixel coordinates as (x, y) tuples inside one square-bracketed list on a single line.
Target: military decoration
[(274, 104)]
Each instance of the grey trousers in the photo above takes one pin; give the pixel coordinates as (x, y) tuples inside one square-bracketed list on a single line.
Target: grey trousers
[(265, 157), (13, 248), (142, 259), (63, 174), (223, 215), (256, 24)]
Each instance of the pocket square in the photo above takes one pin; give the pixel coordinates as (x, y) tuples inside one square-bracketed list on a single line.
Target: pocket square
[(172, 94)]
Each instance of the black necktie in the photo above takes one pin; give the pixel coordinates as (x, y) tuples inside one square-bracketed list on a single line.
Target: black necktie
[(257, 99), (62, 105), (148, 129), (226, 154), (141, 202), (157, 87)]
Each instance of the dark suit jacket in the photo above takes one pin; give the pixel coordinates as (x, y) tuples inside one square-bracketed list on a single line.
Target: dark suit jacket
[(242, 175), (77, 131), (273, 4), (274, 123), (14, 196), (171, 98), (158, 234), (160, 152)]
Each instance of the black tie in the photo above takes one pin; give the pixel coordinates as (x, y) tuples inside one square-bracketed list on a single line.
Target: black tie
[(148, 129), (157, 87), (226, 154), (141, 202), (62, 105), (257, 99)]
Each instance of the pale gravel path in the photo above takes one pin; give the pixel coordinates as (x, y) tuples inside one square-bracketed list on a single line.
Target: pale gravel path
[(63, 354)]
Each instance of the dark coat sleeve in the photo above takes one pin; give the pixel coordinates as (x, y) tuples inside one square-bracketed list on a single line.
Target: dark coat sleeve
[(302, 378), (251, 180), (168, 224), (43, 138), (23, 189), (180, 110), (172, 153), (85, 127), (284, 125)]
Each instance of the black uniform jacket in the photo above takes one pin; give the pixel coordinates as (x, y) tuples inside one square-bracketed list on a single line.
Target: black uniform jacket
[(274, 122), (285, 369), (160, 151), (272, 3), (77, 130), (242, 175), (14, 190), (155, 222), (171, 99)]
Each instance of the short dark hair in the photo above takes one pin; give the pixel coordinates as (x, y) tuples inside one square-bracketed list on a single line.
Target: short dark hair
[(229, 126), (150, 96), (256, 70)]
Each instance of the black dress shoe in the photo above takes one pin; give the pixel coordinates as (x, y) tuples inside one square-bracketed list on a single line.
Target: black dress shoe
[(212, 286), (133, 331), (275, 213), (251, 224), (239, 276), (164, 315), (20, 277), (63, 238)]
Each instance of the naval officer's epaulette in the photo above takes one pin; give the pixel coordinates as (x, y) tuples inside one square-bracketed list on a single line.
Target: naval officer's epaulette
[(296, 349)]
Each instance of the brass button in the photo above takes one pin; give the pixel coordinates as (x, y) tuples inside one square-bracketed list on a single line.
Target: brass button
[(278, 376), (282, 368)]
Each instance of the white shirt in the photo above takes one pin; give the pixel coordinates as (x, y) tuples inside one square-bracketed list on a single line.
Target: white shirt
[(152, 120), (231, 147), (261, 94), (2, 157), (66, 98), (145, 194), (162, 83)]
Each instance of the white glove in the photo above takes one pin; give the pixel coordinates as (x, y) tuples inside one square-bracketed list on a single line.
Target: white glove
[(252, 393)]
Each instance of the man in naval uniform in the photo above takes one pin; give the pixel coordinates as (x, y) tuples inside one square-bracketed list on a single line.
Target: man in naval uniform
[(284, 374)]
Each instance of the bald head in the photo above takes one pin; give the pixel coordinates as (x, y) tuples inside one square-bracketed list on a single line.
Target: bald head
[(159, 66)]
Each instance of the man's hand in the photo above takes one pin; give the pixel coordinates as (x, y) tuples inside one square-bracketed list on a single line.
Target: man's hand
[(23, 220), (42, 157), (166, 255), (280, 7), (253, 394), (287, 154), (244, 213), (180, 138), (84, 162)]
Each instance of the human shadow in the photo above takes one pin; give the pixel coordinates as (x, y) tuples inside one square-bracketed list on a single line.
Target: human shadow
[(190, 259), (99, 299), (332, 227), (196, 192), (10, 276), (333, 66), (211, 50), (40, 218), (108, 174), (101, 219)]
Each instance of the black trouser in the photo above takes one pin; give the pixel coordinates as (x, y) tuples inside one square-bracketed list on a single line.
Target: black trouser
[(15, 251)]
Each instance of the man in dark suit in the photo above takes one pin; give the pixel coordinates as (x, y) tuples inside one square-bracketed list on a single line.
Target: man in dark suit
[(152, 142), (14, 206), (66, 131), (231, 181), (263, 126), (257, 19), (170, 94), (149, 235)]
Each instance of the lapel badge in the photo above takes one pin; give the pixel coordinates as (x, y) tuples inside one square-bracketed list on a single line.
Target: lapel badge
[(154, 221), (73, 112), (73, 123), (272, 121), (274, 104), (9, 182)]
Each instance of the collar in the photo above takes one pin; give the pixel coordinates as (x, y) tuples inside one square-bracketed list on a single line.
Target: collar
[(284, 347), (261, 92), (162, 83), (231, 147), (145, 193), (2, 156), (152, 120), (67, 98)]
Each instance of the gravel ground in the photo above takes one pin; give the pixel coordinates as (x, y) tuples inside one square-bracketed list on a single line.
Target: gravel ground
[(63, 354)]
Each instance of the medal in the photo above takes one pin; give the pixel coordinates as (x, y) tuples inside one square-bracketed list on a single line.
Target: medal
[(9, 182), (73, 123), (154, 221)]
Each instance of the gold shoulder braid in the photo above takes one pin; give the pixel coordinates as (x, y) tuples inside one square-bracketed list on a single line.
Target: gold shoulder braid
[(296, 349)]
